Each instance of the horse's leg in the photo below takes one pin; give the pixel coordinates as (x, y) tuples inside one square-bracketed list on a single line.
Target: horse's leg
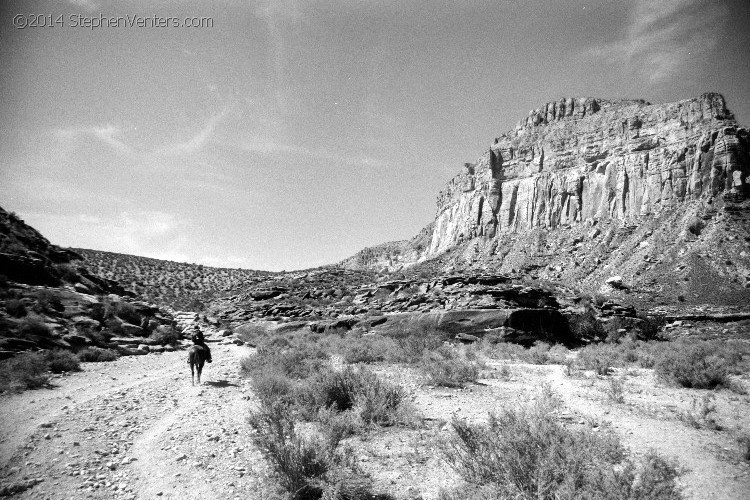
[(200, 369), (192, 373)]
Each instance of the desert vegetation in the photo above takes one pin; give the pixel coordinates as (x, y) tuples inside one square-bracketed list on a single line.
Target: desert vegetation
[(324, 398)]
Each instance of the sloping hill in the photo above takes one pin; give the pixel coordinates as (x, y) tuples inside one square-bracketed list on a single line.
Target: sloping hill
[(180, 285)]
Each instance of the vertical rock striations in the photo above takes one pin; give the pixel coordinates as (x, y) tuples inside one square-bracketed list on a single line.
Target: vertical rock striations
[(575, 160)]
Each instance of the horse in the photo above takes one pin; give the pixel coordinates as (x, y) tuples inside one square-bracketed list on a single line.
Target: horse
[(197, 356)]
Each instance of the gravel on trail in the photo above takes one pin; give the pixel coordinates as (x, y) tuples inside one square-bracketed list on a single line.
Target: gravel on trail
[(134, 428)]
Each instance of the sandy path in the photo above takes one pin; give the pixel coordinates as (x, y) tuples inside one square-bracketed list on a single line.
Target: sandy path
[(135, 428)]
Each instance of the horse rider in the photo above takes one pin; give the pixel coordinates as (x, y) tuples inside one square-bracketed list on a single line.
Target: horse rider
[(199, 340)]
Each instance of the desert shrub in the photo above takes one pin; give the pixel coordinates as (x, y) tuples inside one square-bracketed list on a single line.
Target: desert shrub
[(586, 326), (412, 342), (598, 357), (297, 362), (506, 350), (527, 454), (335, 425), (538, 354), (301, 464), (650, 326), (67, 272), (33, 326), (368, 349), (307, 467), (59, 361), (47, 302), (15, 308), (557, 354), (357, 389), (616, 390), (27, 370), (699, 365), (95, 336), (272, 386), (252, 333), (448, 370), (122, 310), (96, 354), (165, 334)]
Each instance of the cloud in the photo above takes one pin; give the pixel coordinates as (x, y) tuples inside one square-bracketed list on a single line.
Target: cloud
[(195, 143), (108, 134), (278, 16), (155, 234), (267, 146), (662, 37)]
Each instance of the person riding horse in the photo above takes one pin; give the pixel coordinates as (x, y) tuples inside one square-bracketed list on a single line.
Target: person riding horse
[(199, 340)]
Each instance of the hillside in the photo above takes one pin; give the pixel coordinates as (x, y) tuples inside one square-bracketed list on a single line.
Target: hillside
[(587, 189), (179, 285)]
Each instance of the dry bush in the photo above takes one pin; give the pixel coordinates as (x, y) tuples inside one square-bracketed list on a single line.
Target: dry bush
[(27, 370), (702, 415), (33, 326), (308, 467), (586, 326), (368, 349), (123, 310), (356, 389), (48, 302), (698, 364), (296, 363), (448, 369), (96, 354), (59, 361), (15, 308), (165, 335), (527, 454), (616, 390)]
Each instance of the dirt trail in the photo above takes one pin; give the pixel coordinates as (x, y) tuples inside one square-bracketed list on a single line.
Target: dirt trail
[(135, 428)]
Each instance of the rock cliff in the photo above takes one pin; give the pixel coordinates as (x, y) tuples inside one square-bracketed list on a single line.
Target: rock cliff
[(575, 160), (584, 188)]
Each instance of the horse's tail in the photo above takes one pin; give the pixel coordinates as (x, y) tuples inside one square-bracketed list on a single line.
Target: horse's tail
[(191, 356)]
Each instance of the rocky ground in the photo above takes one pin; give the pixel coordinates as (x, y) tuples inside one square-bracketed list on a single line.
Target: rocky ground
[(136, 428)]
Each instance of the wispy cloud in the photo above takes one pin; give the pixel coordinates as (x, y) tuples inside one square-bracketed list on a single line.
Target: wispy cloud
[(198, 141), (278, 16), (262, 145), (663, 36), (154, 234)]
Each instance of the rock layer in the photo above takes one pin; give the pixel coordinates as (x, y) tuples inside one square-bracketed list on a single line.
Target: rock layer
[(583, 159)]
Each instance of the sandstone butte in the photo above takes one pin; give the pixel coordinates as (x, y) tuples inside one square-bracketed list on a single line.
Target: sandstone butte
[(577, 163)]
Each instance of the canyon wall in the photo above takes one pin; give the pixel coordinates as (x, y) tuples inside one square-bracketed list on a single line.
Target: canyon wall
[(581, 159)]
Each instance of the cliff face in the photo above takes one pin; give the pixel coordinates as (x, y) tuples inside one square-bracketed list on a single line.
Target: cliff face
[(585, 189), (577, 160)]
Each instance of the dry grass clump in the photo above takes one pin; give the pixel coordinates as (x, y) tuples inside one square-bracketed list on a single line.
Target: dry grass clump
[(33, 326), (369, 349), (165, 335), (699, 364), (27, 370), (97, 354), (541, 353), (298, 383), (59, 361), (308, 467), (527, 454), (446, 367), (371, 400)]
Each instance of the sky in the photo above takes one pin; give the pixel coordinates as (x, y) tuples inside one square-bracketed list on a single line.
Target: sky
[(288, 134)]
